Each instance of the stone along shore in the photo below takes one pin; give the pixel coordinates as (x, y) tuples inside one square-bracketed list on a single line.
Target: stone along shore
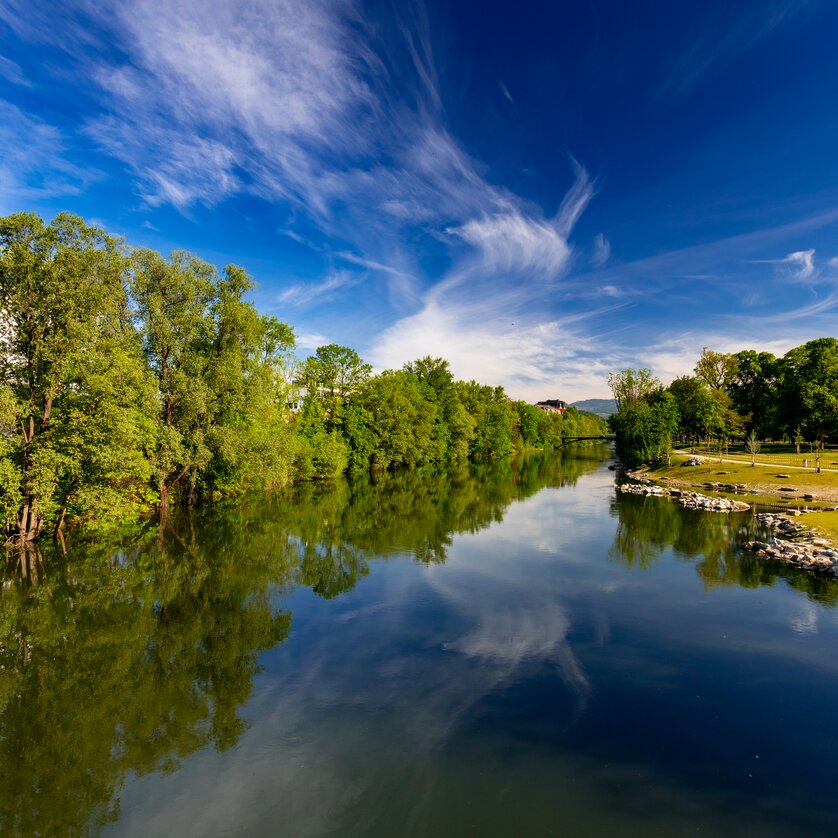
[(791, 542), (795, 544), (689, 500)]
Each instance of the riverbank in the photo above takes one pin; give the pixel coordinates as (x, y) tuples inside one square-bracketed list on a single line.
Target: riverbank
[(689, 500), (765, 480), (812, 545), (795, 543)]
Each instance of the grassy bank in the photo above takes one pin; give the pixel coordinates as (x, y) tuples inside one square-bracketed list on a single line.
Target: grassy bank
[(775, 454), (763, 478), (765, 481)]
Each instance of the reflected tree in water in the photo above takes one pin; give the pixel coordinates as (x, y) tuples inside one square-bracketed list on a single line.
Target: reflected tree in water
[(125, 663), (649, 526), (123, 659)]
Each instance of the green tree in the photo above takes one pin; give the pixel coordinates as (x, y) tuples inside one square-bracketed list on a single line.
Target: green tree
[(698, 411), (174, 301), (631, 386), (397, 423), (221, 374), (754, 390), (493, 416), (75, 400), (329, 376), (644, 430), (717, 369), (809, 389), (453, 425)]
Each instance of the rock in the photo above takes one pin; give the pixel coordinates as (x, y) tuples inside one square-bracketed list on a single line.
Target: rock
[(693, 461), (787, 489), (806, 551), (781, 475)]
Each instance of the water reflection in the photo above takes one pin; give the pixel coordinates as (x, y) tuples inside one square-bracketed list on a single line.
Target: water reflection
[(508, 661), (116, 660), (648, 527)]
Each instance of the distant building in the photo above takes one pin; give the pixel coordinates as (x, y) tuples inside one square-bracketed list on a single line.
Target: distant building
[(552, 406)]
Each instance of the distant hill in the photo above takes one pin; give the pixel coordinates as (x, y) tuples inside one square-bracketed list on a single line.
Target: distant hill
[(600, 407)]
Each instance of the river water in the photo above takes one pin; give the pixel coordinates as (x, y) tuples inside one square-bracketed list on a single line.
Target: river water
[(515, 650)]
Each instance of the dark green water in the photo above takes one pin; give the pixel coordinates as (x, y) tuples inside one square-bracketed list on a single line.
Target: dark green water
[(515, 651)]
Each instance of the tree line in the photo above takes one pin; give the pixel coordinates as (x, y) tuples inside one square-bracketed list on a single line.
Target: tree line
[(132, 382), (747, 395)]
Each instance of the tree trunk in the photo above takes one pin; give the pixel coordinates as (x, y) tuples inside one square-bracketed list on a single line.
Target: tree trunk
[(29, 522), (58, 533), (163, 507)]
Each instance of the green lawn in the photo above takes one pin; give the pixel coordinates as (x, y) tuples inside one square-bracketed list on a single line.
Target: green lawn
[(825, 523), (823, 486), (779, 453)]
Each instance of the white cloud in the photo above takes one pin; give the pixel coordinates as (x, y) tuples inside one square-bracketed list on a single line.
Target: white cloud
[(306, 293), (574, 202), (512, 242), (730, 35), (676, 354), (12, 72), (833, 262), (802, 264), (602, 251), (34, 163), (798, 266), (494, 341), (310, 340)]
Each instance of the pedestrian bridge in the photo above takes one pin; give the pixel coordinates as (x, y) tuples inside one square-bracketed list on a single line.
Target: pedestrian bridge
[(609, 437)]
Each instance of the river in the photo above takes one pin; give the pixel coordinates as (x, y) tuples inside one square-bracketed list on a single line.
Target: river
[(511, 650)]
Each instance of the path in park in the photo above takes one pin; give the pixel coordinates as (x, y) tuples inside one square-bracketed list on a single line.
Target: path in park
[(709, 459)]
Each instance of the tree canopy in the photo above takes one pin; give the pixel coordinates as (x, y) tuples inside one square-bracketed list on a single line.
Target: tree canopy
[(132, 381), (735, 395)]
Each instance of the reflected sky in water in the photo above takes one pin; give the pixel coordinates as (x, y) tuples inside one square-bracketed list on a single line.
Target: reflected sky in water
[(518, 651)]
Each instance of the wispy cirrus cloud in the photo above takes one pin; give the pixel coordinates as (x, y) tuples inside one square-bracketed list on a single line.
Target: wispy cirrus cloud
[(739, 35), (290, 104), (309, 293), (801, 263), (35, 162), (602, 251), (303, 104), (12, 72), (798, 265), (512, 242)]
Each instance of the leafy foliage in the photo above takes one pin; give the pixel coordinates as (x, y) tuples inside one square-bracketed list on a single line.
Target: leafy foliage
[(748, 395), (131, 380)]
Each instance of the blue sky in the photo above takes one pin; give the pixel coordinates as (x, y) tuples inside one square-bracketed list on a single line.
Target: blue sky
[(542, 192)]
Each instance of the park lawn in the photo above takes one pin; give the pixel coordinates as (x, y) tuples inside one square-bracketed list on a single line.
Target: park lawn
[(823, 486), (826, 523), (783, 455)]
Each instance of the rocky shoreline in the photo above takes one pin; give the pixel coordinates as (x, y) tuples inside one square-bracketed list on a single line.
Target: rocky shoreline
[(689, 500), (791, 541), (796, 544)]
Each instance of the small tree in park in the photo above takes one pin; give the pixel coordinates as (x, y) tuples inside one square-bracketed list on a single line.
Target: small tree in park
[(753, 445)]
